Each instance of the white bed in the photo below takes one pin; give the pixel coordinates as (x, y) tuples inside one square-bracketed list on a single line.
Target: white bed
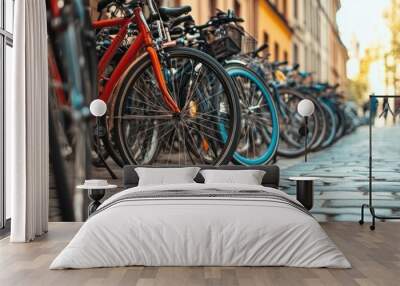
[(138, 227)]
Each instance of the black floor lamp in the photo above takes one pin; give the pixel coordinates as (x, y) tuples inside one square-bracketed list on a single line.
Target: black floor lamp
[(305, 108), (98, 108)]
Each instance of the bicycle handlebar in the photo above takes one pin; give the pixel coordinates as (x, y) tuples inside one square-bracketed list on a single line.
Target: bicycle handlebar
[(278, 64), (260, 49), (220, 19), (153, 11), (180, 20)]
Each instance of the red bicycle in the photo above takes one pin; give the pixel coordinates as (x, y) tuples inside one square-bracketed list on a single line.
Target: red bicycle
[(169, 105)]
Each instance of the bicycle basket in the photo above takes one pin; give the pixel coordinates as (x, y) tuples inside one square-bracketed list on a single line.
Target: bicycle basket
[(229, 44), (249, 43)]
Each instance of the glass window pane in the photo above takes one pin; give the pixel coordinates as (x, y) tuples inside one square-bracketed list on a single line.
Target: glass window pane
[(9, 14), (1, 15), (8, 87), (2, 203)]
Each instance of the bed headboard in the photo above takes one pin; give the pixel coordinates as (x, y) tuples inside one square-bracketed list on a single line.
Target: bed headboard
[(270, 179)]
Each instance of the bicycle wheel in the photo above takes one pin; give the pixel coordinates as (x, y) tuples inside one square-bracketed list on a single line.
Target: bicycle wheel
[(109, 141), (331, 125), (321, 118), (206, 129), (259, 136), (341, 122)]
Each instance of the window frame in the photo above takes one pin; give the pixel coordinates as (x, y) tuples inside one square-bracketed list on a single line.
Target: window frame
[(295, 53), (212, 4), (237, 7), (276, 51), (266, 41), (6, 40), (285, 9), (295, 9)]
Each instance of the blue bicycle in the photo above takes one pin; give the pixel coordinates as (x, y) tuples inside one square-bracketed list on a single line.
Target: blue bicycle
[(223, 39)]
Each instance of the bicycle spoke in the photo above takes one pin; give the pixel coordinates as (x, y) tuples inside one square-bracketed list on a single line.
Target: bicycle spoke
[(144, 117)]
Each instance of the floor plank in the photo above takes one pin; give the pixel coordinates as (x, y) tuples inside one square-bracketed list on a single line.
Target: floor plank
[(375, 257)]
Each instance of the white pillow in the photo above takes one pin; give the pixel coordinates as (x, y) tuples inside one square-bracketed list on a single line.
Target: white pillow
[(166, 176), (247, 177)]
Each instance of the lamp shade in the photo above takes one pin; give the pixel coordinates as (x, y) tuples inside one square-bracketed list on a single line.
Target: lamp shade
[(305, 107), (98, 108)]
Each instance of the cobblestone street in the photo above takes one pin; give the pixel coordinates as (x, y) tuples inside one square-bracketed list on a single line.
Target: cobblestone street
[(343, 169)]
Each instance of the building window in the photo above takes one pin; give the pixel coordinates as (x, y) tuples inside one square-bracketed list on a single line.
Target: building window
[(295, 54), (6, 43), (295, 9), (266, 38), (306, 65), (318, 27), (284, 4), (213, 7), (266, 41), (285, 56), (312, 20), (236, 7), (276, 51)]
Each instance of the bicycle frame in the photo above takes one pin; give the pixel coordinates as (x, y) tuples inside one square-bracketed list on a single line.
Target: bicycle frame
[(143, 40)]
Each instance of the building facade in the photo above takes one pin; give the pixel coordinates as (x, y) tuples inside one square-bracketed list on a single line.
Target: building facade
[(317, 46), (338, 52), (266, 20), (274, 29), (310, 40), (204, 9), (299, 31)]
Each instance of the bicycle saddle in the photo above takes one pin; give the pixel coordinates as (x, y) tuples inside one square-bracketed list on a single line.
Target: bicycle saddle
[(166, 13)]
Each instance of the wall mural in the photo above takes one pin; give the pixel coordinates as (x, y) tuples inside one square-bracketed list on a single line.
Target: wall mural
[(234, 85)]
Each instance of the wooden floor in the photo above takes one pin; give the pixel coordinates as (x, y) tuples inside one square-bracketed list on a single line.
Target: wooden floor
[(375, 257)]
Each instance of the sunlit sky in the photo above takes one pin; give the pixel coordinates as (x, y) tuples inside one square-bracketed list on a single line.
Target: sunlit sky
[(364, 21)]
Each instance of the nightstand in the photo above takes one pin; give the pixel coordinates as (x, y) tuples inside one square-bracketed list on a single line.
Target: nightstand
[(305, 190), (96, 191)]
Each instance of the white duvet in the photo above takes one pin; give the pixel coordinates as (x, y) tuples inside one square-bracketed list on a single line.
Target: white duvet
[(200, 231)]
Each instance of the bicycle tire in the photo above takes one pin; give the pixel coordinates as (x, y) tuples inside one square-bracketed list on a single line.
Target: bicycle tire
[(230, 141), (58, 169), (320, 113), (237, 72), (331, 126)]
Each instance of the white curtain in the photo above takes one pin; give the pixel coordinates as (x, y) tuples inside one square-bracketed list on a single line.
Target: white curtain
[(27, 171)]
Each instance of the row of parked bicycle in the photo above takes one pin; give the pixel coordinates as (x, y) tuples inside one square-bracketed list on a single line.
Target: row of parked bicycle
[(208, 95)]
